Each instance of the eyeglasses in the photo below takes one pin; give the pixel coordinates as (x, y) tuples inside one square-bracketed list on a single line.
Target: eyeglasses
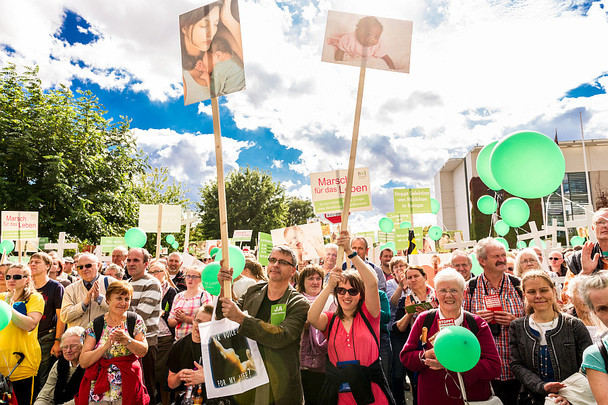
[(71, 348), (192, 277), (273, 260), (601, 223), (553, 258), (155, 272), (351, 291), (14, 277), (510, 268), (82, 266), (528, 261), (444, 291)]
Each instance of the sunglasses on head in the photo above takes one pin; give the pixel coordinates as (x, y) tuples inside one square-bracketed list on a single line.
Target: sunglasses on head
[(351, 291), (14, 277), (82, 266)]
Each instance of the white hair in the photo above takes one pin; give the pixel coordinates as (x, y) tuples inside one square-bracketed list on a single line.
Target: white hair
[(448, 275), (73, 331)]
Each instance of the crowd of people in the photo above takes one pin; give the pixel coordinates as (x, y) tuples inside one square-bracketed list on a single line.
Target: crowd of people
[(128, 332)]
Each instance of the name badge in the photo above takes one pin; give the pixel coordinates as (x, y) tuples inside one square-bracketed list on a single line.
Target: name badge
[(446, 322), (277, 313)]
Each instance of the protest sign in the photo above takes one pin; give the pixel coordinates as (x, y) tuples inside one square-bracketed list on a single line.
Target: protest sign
[(171, 218), (19, 225), (399, 217), (384, 237), (264, 247), (212, 51), (306, 240), (328, 190), (109, 243), (347, 41), (412, 200), (369, 235), (242, 235), (402, 239)]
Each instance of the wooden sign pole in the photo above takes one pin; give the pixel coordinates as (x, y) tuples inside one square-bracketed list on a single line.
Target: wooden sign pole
[(158, 229), (221, 191), (353, 155)]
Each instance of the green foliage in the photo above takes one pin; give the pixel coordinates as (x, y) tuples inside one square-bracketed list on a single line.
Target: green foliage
[(298, 211), (60, 156), (154, 188), (253, 201)]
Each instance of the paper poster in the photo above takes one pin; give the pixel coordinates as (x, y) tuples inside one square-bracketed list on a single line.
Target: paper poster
[(171, 218), (306, 240), (328, 189), (242, 235), (383, 43), (19, 225), (212, 51), (412, 200)]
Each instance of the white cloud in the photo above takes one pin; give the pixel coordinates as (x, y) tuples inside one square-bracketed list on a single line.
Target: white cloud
[(277, 163)]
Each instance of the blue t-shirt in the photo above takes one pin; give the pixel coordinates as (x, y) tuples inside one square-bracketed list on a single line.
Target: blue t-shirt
[(592, 358)]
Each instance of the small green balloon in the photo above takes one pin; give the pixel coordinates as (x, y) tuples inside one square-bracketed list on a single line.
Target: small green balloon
[(483, 167), (515, 212), (457, 349), (487, 205), (577, 241), (175, 245), (405, 225), (7, 246), (521, 244), (170, 239), (213, 251), (435, 232), (236, 258), (209, 278), (528, 164), (434, 206), (504, 242), (135, 237), (501, 227), (476, 269), (542, 242), (5, 314), (386, 225)]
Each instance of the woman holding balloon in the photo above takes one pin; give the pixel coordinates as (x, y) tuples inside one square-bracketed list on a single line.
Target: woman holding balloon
[(438, 381), (546, 345)]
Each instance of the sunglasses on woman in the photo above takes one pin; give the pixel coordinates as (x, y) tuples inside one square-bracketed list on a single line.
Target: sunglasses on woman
[(14, 277), (351, 291)]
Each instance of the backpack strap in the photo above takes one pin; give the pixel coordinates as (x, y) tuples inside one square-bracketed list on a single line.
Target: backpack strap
[(131, 320), (98, 325), (371, 330), (471, 322), (106, 282), (517, 285), (603, 352), (429, 318)]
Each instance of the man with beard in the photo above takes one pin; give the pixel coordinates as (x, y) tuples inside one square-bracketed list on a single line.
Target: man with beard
[(174, 266)]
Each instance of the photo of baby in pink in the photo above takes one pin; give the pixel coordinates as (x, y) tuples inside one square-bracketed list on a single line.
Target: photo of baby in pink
[(379, 43)]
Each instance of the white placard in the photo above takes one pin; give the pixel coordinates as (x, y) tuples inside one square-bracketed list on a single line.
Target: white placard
[(171, 218)]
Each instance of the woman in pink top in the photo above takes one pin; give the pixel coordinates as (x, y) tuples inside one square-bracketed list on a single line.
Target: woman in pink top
[(352, 335), (186, 303)]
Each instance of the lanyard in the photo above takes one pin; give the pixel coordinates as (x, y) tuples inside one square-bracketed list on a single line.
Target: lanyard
[(502, 284)]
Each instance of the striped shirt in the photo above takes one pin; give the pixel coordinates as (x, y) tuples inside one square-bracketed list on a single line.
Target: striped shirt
[(511, 303), (146, 303)]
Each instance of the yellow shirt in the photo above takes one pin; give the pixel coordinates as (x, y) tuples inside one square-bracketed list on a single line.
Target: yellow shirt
[(14, 339)]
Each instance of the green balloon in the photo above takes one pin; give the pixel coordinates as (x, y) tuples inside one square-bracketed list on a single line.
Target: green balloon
[(209, 278), (386, 225), (483, 167), (213, 251), (528, 164), (236, 258), (542, 242), (487, 205), (5, 314), (405, 225), (577, 241), (521, 244), (435, 232), (135, 237), (476, 269), (457, 349), (7, 246), (434, 206), (501, 227), (389, 245), (175, 245), (515, 212), (504, 242), (170, 239)]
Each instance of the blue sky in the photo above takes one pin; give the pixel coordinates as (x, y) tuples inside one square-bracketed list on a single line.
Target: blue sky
[(479, 70)]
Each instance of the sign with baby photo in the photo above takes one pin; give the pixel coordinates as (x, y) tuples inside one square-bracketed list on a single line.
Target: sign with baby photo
[(212, 51), (306, 240), (383, 43)]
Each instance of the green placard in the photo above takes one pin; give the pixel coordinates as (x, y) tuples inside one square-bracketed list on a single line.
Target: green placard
[(399, 217), (401, 239), (412, 200), (336, 205), (384, 237), (264, 247), (368, 235), (109, 243)]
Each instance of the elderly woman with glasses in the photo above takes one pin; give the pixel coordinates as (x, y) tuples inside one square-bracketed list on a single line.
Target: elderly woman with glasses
[(66, 374), (353, 333), (186, 303), (526, 260), (436, 385)]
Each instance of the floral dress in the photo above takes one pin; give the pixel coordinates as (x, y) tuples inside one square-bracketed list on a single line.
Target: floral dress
[(116, 350)]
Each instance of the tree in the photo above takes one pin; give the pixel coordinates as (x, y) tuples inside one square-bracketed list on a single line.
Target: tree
[(60, 156), (298, 211), (253, 202), (154, 188)]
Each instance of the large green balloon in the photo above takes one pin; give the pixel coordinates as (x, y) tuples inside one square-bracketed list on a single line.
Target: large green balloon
[(405, 225), (487, 205), (521, 244), (483, 166), (434, 206), (577, 241), (386, 224), (135, 237), (5, 314), (170, 239), (236, 258), (389, 245), (213, 251), (457, 349), (528, 164), (504, 242), (435, 232), (209, 278), (7, 246), (515, 212), (501, 227), (476, 269)]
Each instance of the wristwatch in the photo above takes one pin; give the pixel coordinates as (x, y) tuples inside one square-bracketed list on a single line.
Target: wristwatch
[(129, 340)]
